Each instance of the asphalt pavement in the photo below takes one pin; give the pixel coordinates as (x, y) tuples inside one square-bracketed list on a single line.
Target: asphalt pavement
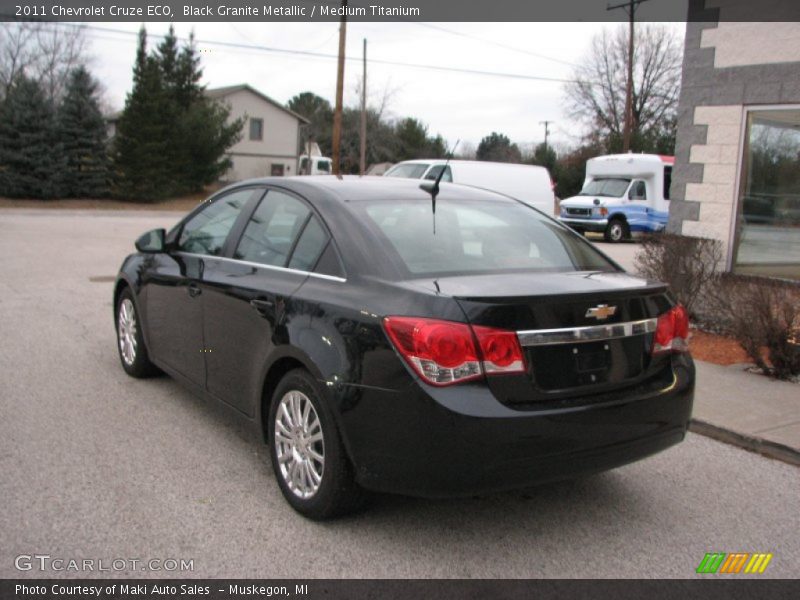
[(96, 465)]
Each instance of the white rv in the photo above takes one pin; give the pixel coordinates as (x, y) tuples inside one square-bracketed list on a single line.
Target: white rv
[(622, 194), (528, 183)]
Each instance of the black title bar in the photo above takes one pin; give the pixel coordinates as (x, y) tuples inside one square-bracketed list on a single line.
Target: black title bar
[(707, 588), (392, 10)]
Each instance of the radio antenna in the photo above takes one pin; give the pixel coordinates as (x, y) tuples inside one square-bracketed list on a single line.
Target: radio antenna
[(433, 188)]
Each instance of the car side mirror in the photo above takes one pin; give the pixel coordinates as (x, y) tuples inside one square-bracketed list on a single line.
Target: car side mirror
[(151, 242)]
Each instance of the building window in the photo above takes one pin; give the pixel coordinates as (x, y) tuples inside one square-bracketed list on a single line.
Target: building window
[(768, 224), (257, 129), (276, 170)]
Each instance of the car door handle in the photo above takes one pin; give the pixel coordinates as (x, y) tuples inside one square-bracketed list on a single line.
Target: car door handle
[(261, 306), (194, 290)]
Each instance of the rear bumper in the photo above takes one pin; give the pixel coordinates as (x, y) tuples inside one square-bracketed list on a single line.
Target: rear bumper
[(594, 225), (442, 442)]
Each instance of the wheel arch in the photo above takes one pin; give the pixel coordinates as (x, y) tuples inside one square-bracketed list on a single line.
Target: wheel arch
[(121, 284), (285, 360), (619, 216)]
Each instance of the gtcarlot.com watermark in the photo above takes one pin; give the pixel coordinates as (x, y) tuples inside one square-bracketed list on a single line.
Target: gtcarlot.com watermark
[(46, 562)]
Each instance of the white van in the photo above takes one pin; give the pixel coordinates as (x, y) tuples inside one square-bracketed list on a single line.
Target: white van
[(528, 183), (622, 194), (316, 165)]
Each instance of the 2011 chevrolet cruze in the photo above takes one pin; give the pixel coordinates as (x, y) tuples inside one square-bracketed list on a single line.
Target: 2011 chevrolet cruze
[(384, 337)]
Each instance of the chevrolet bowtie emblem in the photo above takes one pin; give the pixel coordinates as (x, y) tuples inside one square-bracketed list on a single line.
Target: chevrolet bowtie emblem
[(601, 311)]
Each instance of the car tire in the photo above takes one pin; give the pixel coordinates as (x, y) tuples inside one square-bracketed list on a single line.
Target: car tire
[(617, 231), (306, 450), (130, 340)]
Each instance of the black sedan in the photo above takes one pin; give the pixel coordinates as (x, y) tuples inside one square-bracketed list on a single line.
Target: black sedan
[(381, 337)]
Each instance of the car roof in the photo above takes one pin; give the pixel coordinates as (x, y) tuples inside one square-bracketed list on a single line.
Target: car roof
[(485, 164), (351, 188)]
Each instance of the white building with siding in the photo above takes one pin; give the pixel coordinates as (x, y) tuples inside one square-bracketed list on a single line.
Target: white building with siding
[(270, 136)]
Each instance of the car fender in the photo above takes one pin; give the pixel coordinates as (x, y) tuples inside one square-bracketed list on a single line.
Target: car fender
[(130, 276)]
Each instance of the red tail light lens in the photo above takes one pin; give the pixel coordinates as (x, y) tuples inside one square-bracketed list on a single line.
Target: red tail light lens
[(672, 332), (444, 352), (500, 350), (441, 352)]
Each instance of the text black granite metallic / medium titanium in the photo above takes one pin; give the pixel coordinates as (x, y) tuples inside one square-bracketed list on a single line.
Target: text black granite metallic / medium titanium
[(383, 337)]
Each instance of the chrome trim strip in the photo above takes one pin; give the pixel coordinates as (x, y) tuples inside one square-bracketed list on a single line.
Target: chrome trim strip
[(593, 333), (247, 263)]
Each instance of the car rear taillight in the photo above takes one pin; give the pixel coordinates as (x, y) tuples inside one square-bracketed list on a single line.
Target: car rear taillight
[(672, 331), (500, 350), (445, 352)]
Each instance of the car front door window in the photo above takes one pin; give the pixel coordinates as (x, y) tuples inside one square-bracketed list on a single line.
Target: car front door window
[(206, 232)]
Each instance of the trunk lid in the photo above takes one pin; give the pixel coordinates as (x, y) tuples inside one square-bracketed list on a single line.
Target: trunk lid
[(582, 333)]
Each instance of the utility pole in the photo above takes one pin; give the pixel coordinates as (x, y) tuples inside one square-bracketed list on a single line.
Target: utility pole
[(337, 114), (630, 8), (546, 131), (363, 156)]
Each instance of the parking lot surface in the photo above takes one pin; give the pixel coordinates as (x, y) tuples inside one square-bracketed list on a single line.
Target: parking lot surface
[(98, 465)]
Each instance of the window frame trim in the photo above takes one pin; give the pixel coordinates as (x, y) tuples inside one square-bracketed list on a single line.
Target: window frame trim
[(263, 266)]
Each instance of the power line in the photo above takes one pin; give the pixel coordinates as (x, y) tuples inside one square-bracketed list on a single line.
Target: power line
[(310, 54), (498, 44)]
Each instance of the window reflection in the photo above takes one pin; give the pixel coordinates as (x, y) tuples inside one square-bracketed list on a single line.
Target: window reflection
[(768, 241)]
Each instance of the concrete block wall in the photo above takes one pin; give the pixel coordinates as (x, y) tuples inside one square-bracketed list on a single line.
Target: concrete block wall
[(727, 67)]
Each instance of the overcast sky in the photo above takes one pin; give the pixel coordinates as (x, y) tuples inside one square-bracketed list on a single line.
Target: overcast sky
[(457, 105)]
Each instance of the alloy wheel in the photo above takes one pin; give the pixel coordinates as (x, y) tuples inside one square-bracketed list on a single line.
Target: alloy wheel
[(126, 328), (299, 444)]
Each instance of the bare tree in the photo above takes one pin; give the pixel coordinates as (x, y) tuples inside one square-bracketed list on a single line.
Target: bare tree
[(378, 100), (45, 52), (466, 151), (596, 97)]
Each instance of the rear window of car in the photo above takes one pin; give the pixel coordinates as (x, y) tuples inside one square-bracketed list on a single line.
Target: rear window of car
[(410, 171), (474, 237)]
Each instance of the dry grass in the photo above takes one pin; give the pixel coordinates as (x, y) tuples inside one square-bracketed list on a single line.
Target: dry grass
[(182, 204)]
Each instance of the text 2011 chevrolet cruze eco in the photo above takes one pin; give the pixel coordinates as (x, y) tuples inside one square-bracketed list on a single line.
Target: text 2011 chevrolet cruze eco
[(380, 344)]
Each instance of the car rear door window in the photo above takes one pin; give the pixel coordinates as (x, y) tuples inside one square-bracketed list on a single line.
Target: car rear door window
[(206, 231), (310, 245), (272, 229)]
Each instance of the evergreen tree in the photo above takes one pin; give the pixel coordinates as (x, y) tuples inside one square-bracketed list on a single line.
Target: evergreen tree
[(544, 156), (320, 112), (497, 147), (143, 136), (82, 132), (188, 73), (437, 147), (31, 160), (201, 132), (206, 134), (171, 139), (412, 139)]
